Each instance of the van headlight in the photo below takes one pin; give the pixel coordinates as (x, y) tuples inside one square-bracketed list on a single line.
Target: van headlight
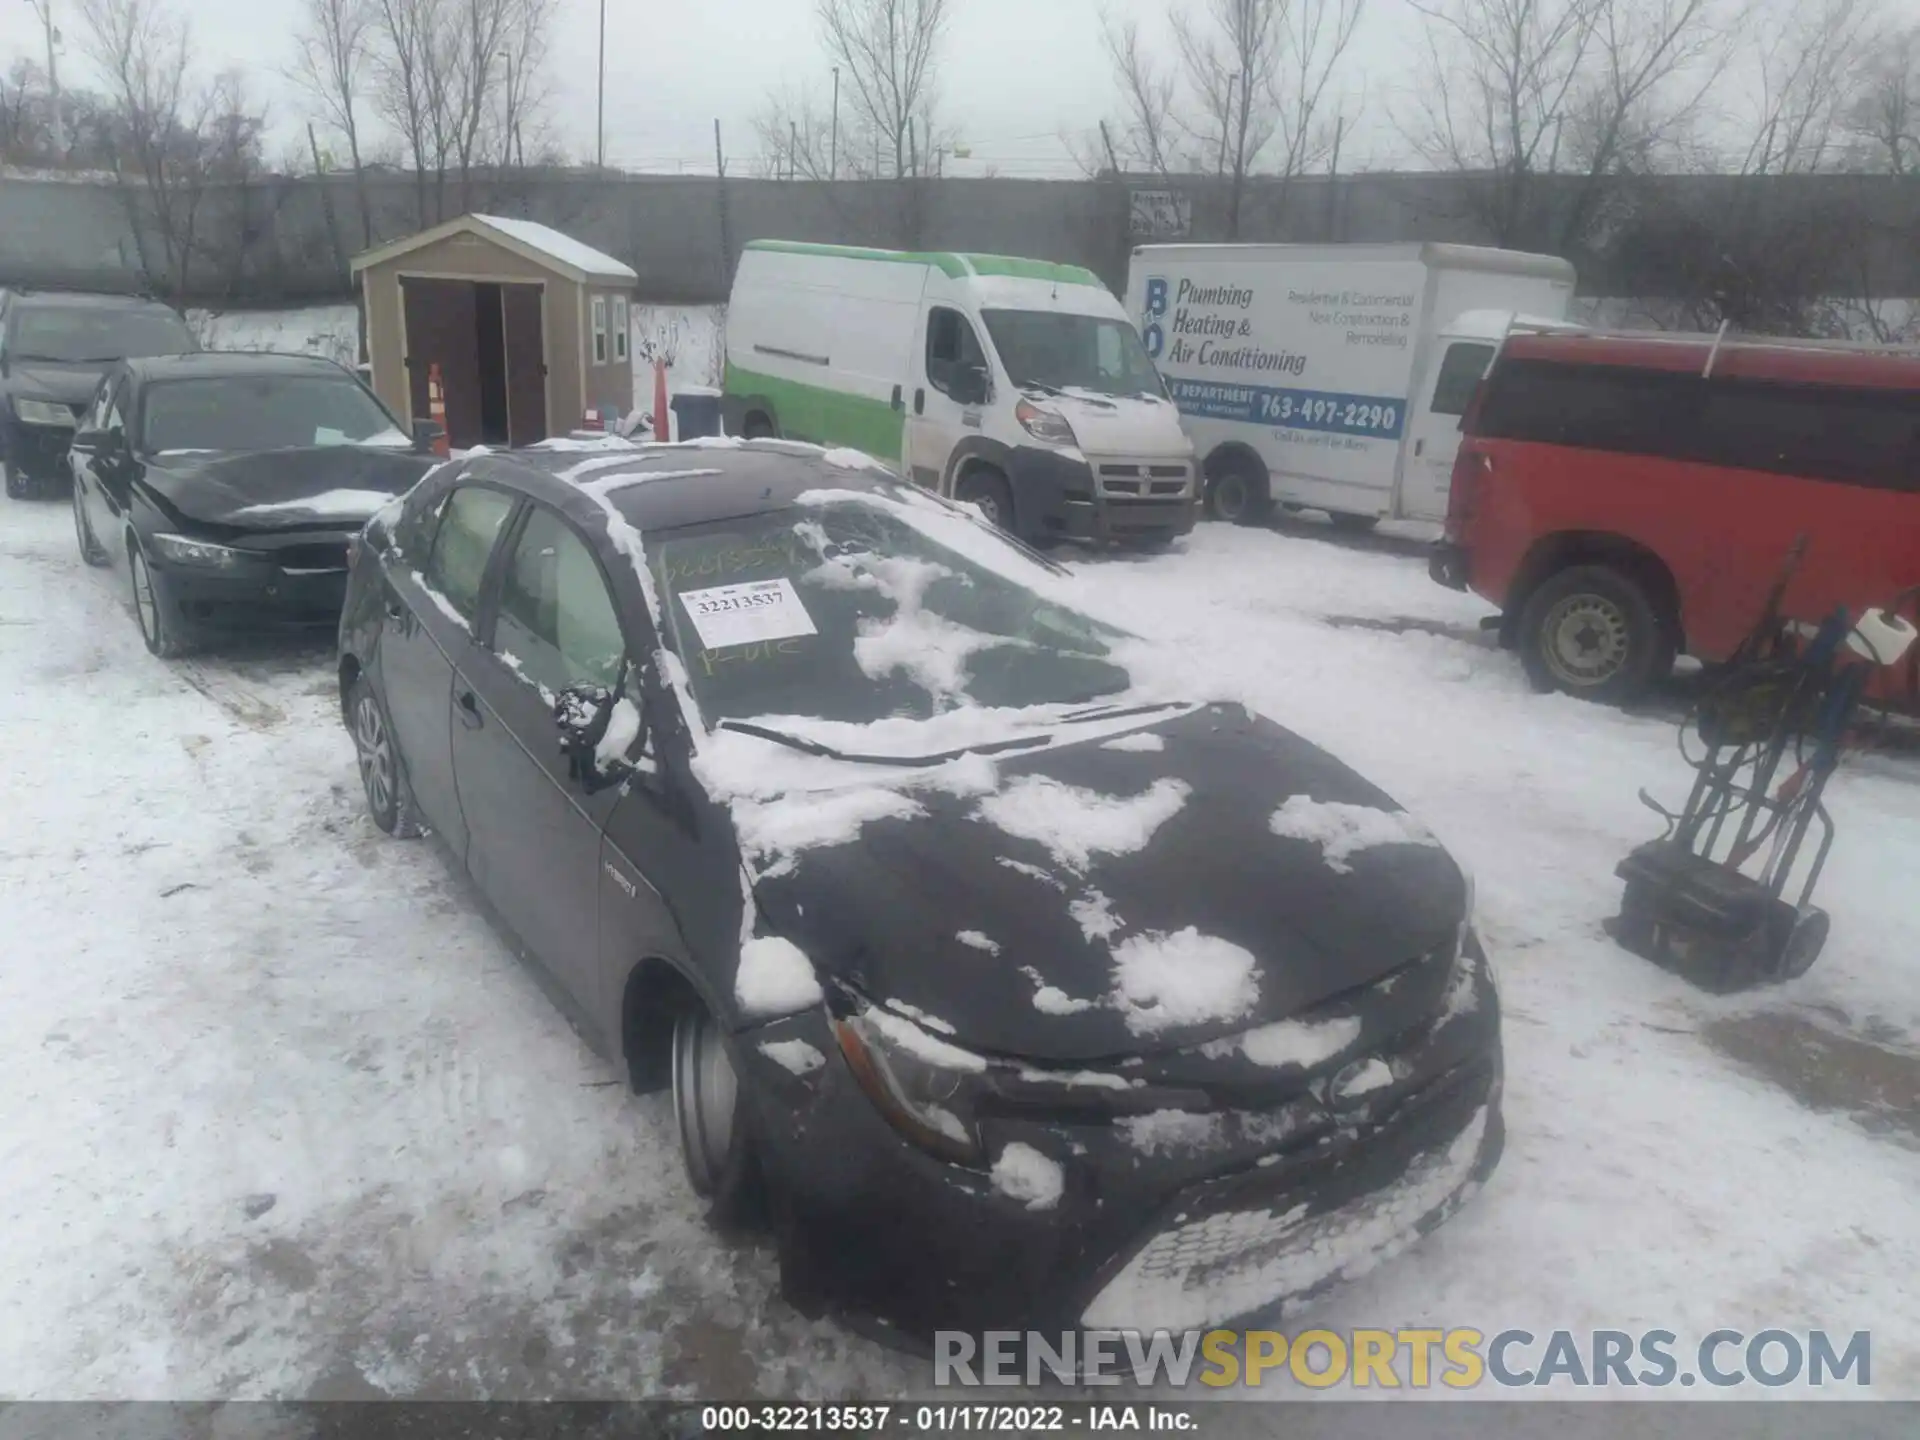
[(1043, 424), (924, 1086), (183, 551), (43, 412)]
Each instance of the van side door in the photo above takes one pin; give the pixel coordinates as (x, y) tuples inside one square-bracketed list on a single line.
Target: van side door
[(952, 386), (1433, 436)]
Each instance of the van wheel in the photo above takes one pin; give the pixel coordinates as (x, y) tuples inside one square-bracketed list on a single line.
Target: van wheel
[(1352, 524), (1237, 492), (716, 1140), (757, 427), (1594, 632), (987, 489)]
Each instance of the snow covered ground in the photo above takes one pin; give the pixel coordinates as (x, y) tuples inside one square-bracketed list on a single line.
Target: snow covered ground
[(284, 1116)]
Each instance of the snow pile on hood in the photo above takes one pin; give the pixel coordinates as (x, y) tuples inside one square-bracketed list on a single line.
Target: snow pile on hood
[(772, 833), (1170, 1130), (1342, 830), (328, 505), (1163, 982), (775, 978), (1144, 742), (1050, 999), (1023, 1173), (973, 939), (846, 459), (1305, 1043), (1093, 913), (1075, 824)]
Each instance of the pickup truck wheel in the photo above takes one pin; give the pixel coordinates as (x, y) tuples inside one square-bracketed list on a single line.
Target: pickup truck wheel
[(1594, 631), (716, 1140)]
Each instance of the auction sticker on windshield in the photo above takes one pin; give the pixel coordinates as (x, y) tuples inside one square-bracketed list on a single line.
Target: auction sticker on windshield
[(742, 614)]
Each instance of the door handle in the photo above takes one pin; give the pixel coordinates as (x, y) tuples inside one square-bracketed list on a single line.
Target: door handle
[(919, 402), (1418, 446), (898, 403), (469, 710), (394, 610)]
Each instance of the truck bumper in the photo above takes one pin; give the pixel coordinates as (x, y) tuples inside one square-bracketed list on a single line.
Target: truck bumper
[(1447, 563), (1062, 497)]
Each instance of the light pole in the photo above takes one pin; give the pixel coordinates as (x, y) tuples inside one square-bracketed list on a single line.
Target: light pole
[(833, 164), (44, 9), (600, 149)]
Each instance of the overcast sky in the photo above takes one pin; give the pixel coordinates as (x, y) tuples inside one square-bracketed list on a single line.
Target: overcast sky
[(1016, 74)]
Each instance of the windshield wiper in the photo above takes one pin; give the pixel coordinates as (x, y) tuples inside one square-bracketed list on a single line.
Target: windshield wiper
[(26, 357), (1116, 712), (827, 752)]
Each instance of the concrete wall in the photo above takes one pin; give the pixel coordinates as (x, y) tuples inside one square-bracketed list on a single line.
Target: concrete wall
[(283, 242)]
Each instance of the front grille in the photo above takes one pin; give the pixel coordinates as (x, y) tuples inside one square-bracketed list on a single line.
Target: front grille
[(1202, 1271), (1131, 479), (331, 555)]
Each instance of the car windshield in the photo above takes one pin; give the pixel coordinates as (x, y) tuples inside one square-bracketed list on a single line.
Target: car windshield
[(848, 612), (264, 412), (1046, 350), (79, 336)]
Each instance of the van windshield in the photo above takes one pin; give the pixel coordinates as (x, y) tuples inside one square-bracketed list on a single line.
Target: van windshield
[(1046, 350)]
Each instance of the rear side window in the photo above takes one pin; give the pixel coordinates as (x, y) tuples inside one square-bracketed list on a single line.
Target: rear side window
[(472, 522), (1857, 437), (1460, 373)]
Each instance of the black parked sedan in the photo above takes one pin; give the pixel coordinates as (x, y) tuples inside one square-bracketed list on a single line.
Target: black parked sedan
[(228, 487), (1015, 993)]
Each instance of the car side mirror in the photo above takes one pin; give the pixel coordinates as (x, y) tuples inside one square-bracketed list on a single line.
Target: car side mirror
[(427, 434), (106, 444), (971, 385), (583, 713)]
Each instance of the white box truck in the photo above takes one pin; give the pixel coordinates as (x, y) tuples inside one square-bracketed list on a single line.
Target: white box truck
[(1018, 385), (1333, 377)]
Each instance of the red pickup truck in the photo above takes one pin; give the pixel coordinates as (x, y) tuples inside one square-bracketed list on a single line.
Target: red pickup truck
[(1628, 498)]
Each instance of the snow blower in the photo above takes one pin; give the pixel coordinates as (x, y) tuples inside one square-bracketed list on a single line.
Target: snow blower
[(1695, 903)]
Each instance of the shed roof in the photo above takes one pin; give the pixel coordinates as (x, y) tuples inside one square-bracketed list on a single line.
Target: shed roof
[(526, 238)]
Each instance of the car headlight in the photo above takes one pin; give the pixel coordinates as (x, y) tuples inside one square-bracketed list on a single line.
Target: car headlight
[(182, 551), (43, 412), (924, 1086), (1043, 424)]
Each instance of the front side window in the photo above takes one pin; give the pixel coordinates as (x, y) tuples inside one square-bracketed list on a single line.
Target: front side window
[(952, 348), (461, 548), (1049, 351), (556, 625), (89, 335), (266, 412), (599, 329), (1459, 376)]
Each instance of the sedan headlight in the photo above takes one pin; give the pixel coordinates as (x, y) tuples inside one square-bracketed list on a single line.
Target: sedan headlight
[(925, 1087), (43, 412), (1043, 424), (183, 551)]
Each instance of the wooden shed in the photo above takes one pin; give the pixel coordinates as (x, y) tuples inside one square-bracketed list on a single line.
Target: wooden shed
[(530, 328)]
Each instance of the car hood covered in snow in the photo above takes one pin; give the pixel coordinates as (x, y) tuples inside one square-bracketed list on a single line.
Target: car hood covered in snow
[(339, 486), (1188, 881)]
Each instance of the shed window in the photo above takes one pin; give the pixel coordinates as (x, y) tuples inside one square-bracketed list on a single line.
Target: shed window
[(599, 329), (622, 325)]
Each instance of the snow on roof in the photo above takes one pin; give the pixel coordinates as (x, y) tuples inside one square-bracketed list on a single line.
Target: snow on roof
[(563, 249)]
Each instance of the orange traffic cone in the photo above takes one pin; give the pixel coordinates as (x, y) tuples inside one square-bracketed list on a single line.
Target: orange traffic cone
[(662, 410), (437, 410)]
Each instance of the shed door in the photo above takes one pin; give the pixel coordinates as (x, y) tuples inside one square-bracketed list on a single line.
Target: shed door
[(526, 364), (441, 329)]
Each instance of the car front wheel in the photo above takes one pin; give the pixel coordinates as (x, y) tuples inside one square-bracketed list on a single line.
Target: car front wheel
[(382, 776), (716, 1141), (154, 608), (988, 491)]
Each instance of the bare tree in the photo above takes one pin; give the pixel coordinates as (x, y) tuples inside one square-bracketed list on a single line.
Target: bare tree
[(1809, 68), (1885, 118), (1145, 136), (333, 49), (887, 52)]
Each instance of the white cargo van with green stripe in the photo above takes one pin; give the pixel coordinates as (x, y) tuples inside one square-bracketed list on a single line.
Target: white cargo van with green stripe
[(1018, 385)]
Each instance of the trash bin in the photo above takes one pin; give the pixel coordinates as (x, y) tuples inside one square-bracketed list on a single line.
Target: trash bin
[(696, 413)]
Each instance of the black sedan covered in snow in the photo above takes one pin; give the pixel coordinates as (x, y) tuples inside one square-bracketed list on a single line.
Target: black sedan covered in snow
[(228, 487), (1014, 988)]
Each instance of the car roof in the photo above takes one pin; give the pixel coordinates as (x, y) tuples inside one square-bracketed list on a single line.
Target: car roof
[(668, 487), (1733, 358), (229, 364)]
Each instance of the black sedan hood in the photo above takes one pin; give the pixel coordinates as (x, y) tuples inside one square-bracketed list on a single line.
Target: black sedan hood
[(333, 485), (999, 936), (48, 380)]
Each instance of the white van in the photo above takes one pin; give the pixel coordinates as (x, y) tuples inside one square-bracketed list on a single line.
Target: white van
[(1018, 385), (1333, 377)]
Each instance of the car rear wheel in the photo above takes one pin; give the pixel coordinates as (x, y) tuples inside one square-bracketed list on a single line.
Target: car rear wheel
[(1594, 631), (989, 491), (91, 550), (1237, 492), (154, 608), (716, 1141), (382, 775)]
